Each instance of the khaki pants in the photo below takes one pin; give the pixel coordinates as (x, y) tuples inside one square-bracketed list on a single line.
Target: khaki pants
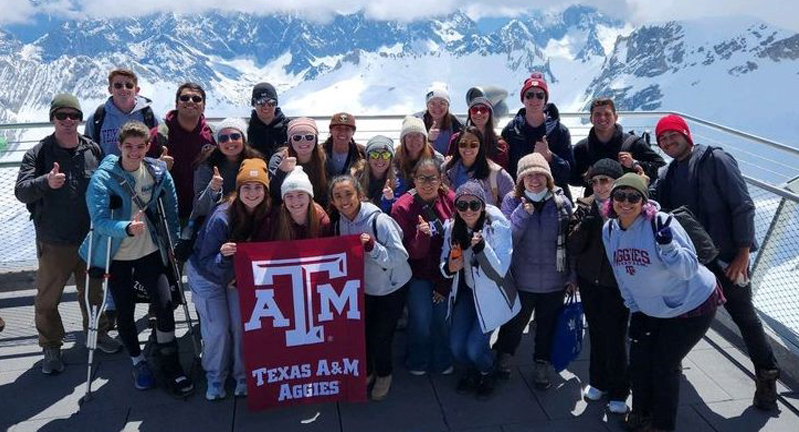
[(56, 264)]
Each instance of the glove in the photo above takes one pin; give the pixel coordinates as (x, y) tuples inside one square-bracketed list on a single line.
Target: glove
[(663, 233)]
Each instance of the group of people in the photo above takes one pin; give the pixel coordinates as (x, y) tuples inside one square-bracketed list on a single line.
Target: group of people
[(496, 209)]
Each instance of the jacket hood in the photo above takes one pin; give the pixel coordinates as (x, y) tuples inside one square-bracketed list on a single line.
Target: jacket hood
[(495, 216), (141, 103), (276, 122), (171, 119), (551, 112), (366, 213)]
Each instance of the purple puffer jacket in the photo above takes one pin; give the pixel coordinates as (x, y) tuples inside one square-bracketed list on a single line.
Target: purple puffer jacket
[(535, 239)]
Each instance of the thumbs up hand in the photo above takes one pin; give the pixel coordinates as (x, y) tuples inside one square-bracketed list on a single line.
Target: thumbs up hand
[(664, 235), (216, 181), (55, 178), (388, 193), (434, 131), (542, 147), (169, 160), (288, 163), (424, 226), (136, 226)]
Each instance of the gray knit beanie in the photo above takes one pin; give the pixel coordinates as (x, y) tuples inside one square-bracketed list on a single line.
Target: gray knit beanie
[(380, 142)]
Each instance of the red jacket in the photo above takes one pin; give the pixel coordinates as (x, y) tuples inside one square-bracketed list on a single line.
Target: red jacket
[(424, 251)]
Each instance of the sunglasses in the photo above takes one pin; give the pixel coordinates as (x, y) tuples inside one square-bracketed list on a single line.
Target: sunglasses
[(377, 155), (479, 109), (600, 181), (195, 98), (128, 85), (465, 145), (464, 205), (71, 115), (306, 137), (235, 136), (271, 103), (630, 197), (532, 94), (427, 179)]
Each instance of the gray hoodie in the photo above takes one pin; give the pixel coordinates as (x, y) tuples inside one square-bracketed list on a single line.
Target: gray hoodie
[(112, 122), (386, 267)]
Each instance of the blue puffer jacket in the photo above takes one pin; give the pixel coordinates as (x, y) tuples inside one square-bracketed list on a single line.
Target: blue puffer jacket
[(108, 224), (535, 240), (206, 259)]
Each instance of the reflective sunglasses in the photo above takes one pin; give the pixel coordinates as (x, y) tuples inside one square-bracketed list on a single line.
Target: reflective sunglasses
[(71, 115), (128, 85), (532, 94), (235, 136), (427, 179), (479, 109), (600, 181), (464, 205), (377, 155), (471, 145), (194, 98), (630, 197), (271, 103), (306, 137)]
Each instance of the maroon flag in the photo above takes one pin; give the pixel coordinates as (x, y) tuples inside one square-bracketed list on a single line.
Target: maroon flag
[(302, 310)]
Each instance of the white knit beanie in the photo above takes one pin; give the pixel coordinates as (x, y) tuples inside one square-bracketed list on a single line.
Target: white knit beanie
[(296, 180), (232, 123), (412, 124), (437, 90)]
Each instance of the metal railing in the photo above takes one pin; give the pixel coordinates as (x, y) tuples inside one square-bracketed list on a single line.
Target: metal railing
[(770, 169)]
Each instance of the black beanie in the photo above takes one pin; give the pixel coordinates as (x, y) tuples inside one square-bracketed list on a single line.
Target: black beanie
[(263, 91), (607, 167)]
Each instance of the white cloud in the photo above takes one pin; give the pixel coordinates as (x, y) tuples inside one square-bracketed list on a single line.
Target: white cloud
[(638, 11)]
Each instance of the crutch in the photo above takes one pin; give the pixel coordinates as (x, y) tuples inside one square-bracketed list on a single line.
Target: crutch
[(96, 312), (177, 274)]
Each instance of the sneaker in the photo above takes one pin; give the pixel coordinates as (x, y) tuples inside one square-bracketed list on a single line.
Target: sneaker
[(618, 407), (215, 391), (380, 390), (467, 382), (593, 393), (241, 388), (370, 379), (143, 378), (541, 375), (176, 380), (766, 389), (503, 369), (419, 372), (448, 371), (485, 386), (52, 362), (107, 344)]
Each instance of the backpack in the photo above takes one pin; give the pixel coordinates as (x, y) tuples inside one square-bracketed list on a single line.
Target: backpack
[(706, 250), (99, 117)]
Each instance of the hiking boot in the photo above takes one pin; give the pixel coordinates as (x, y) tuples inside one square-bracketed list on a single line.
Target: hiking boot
[(107, 344), (241, 388), (485, 386), (176, 380), (381, 388), (467, 382), (541, 375), (52, 362), (502, 369), (635, 422), (766, 389), (215, 391), (593, 393), (143, 378)]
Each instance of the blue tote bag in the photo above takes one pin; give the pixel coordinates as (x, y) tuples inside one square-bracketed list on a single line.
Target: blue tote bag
[(568, 338)]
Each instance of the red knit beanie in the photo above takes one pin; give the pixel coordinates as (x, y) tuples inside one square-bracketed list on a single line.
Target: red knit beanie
[(536, 80), (673, 122)]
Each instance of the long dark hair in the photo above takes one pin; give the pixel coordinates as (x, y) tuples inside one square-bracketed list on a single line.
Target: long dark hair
[(315, 168), (335, 216), (460, 232), (490, 136), (244, 224), (214, 157), (480, 168)]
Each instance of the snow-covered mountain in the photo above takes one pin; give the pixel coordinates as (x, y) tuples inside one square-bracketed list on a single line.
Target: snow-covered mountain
[(729, 70)]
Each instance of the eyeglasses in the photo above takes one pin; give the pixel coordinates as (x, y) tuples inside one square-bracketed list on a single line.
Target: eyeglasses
[(479, 109), (306, 137), (468, 145), (630, 197), (532, 94), (128, 85), (271, 103), (377, 155), (71, 115), (464, 205), (194, 98), (600, 181), (427, 179), (229, 137)]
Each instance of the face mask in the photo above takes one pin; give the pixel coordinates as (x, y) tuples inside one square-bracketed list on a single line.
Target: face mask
[(536, 197)]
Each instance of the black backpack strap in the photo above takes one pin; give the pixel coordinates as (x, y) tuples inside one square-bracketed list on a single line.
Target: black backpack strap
[(99, 117), (374, 227), (628, 142)]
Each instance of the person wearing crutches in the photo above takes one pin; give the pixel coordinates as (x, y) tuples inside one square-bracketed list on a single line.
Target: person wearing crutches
[(137, 249), (52, 182)]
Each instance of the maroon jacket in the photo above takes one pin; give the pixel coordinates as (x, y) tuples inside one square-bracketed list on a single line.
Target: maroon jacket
[(424, 251), (184, 146)]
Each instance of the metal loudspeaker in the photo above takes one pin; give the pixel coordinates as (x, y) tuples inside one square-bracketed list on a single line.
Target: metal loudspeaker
[(495, 94)]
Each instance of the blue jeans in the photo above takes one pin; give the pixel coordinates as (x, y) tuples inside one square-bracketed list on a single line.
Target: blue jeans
[(470, 346), (428, 340)]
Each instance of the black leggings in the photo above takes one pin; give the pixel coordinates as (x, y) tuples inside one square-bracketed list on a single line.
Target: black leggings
[(382, 314), (151, 273)]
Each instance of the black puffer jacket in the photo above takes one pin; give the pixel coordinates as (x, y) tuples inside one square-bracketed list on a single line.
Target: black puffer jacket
[(268, 138), (585, 244)]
